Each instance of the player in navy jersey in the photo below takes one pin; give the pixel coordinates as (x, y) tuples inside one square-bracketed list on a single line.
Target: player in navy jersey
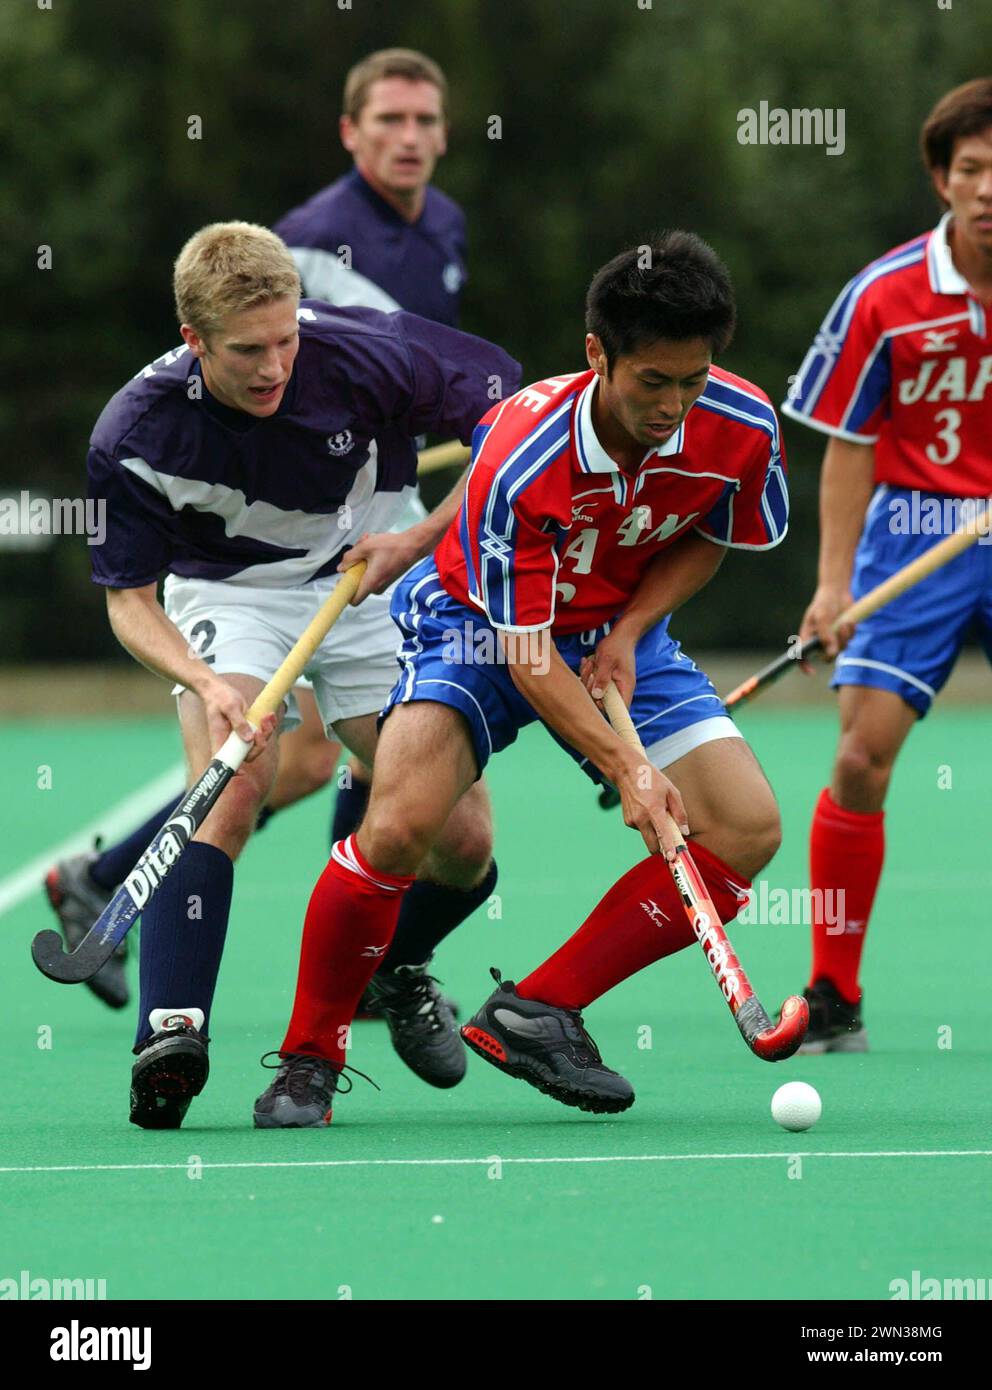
[(247, 464), (381, 226), (597, 503), (382, 232), (384, 237), (899, 378)]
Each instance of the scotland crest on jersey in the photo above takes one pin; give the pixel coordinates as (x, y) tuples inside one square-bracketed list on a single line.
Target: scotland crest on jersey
[(340, 444)]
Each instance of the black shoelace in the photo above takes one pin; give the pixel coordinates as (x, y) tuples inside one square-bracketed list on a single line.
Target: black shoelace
[(300, 1071), (585, 1049), (420, 1001)]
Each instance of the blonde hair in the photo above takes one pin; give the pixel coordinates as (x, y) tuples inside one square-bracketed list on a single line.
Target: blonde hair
[(229, 266), (390, 62)]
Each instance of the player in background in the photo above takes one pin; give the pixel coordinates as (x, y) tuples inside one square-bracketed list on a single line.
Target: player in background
[(899, 378), (597, 503), (382, 234), (245, 463), (383, 237)]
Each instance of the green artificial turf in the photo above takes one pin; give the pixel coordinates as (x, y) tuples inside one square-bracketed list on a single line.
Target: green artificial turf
[(414, 1193)]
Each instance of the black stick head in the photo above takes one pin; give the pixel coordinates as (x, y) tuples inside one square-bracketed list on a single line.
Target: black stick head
[(50, 956)]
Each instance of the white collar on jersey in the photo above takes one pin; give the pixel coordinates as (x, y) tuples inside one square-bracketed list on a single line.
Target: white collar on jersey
[(593, 458), (945, 278)]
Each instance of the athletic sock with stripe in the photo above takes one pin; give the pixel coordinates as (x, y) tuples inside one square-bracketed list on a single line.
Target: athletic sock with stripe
[(349, 924)]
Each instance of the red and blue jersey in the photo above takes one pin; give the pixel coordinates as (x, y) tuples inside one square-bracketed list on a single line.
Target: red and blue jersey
[(553, 533), (903, 361)]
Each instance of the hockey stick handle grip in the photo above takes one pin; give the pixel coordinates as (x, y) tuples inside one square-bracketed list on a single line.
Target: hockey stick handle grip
[(268, 700), (619, 716), (440, 456)]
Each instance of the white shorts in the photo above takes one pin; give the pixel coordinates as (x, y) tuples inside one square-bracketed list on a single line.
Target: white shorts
[(412, 513), (246, 631)]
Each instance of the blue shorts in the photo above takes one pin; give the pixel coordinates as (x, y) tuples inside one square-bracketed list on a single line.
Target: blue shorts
[(451, 655), (910, 646)]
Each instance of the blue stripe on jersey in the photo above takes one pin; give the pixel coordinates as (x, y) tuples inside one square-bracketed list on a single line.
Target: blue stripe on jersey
[(723, 398), (478, 439), (775, 498), (872, 388), (720, 518), (580, 451), (535, 453), (822, 357)]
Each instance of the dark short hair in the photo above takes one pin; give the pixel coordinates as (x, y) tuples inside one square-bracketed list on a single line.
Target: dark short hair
[(966, 110), (390, 62), (673, 287)]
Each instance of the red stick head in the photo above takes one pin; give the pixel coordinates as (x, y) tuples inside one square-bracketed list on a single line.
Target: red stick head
[(775, 1044)]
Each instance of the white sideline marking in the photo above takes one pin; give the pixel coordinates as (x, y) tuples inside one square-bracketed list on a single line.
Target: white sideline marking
[(485, 1162), (119, 820)]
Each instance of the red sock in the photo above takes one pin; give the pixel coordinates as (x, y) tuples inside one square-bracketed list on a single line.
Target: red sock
[(349, 924), (846, 850), (640, 920)]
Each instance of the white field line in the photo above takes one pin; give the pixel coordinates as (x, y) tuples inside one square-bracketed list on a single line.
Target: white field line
[(119, 820), (498, 1158)]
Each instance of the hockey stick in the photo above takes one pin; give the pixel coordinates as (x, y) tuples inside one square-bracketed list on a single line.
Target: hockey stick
[(935, 558), (440, 456), (773, 1042), (124, 908)]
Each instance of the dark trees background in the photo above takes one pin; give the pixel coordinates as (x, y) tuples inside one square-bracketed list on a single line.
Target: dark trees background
[(614, 118)]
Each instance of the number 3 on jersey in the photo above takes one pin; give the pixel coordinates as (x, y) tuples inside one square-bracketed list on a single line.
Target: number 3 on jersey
[(951, 420)]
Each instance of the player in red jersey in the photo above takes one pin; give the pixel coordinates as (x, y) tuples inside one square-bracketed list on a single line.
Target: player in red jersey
[(899, 377), (597, 503)]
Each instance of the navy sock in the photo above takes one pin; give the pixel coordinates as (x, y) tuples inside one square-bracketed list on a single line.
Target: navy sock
[(182, 935), (115, 863), (429, 912), (349, 808)]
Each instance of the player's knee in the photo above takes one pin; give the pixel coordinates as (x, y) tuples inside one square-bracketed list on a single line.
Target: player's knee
[(319, 767), (243, 799), (766, 840), (462, 857), (861, 769), (395, 842), (754, 840), (307, 760)]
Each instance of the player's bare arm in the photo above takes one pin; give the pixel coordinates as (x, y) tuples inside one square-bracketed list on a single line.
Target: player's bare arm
[(846, 485), (143, 629), (391, 553), (671, 579), (547, 684)]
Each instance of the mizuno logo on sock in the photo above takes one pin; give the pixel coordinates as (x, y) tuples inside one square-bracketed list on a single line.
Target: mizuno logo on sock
[(375, 951), (655, 913)]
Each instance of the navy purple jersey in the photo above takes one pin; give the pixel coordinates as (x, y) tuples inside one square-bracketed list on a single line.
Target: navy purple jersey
[(352, 247), (204, 491)]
